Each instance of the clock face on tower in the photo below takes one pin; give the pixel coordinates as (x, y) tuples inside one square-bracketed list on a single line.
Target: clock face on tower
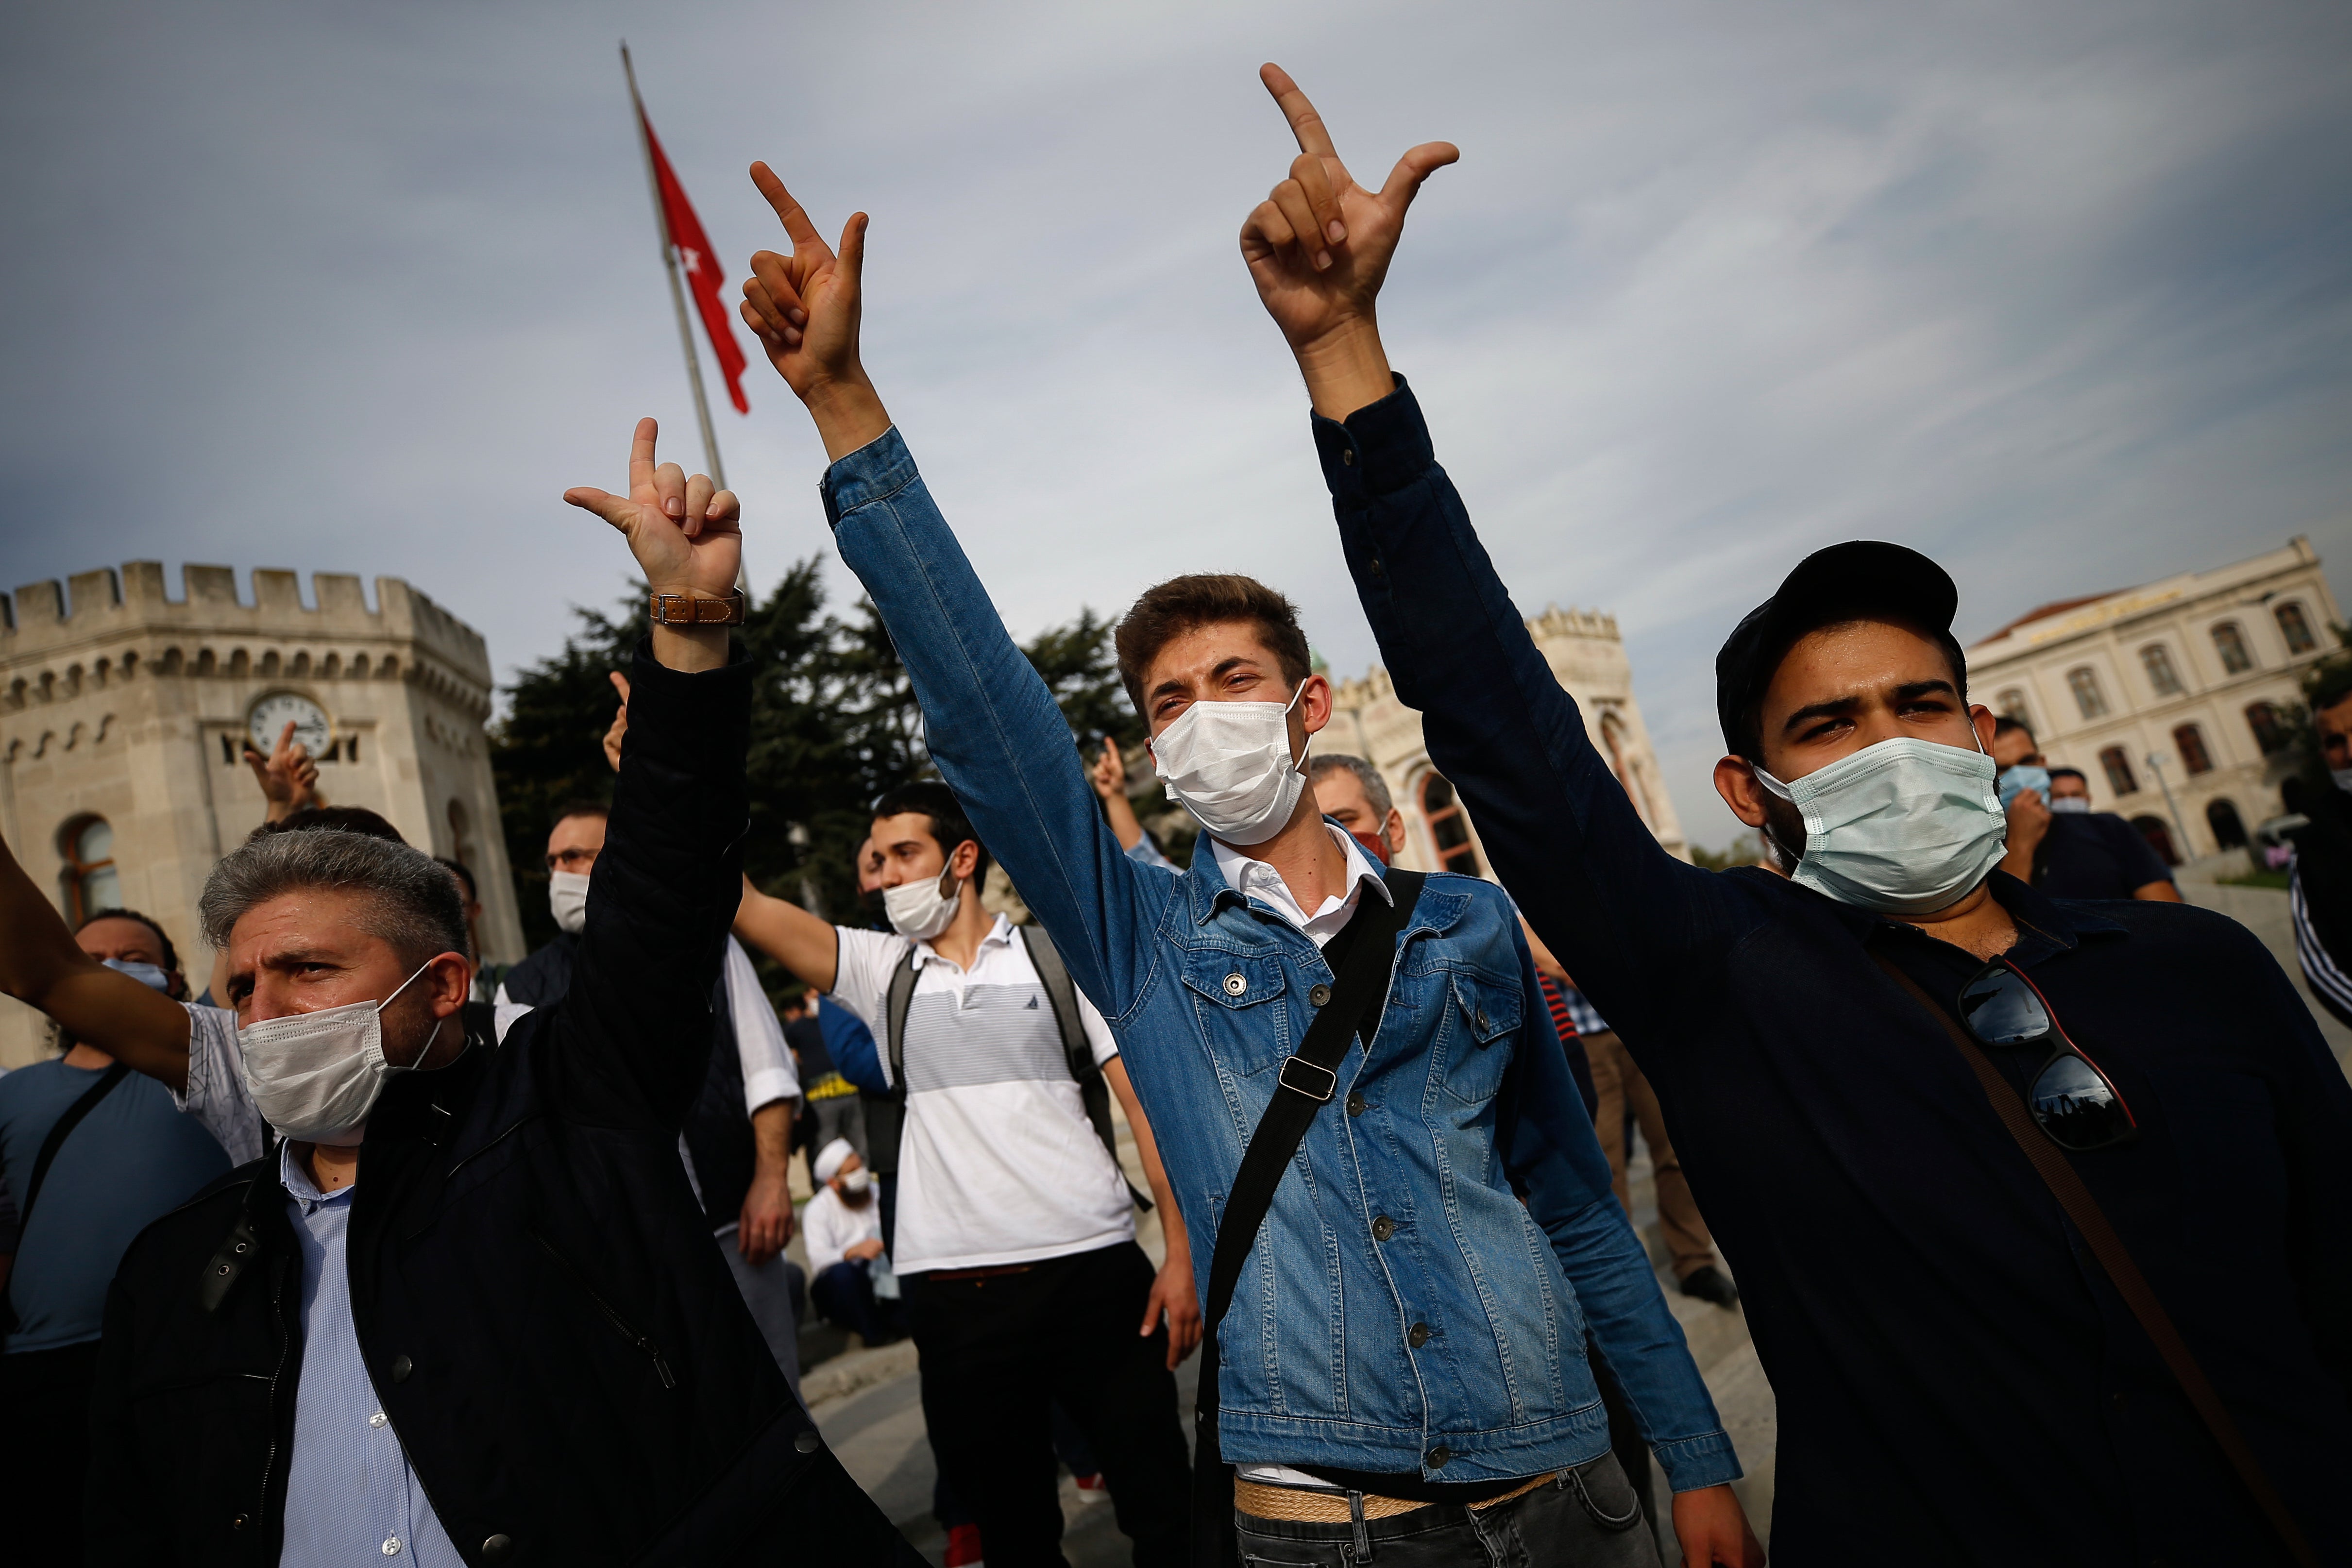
[(270, 716)]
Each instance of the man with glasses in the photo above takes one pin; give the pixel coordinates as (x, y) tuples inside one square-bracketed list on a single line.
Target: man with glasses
[(2043, 1212)]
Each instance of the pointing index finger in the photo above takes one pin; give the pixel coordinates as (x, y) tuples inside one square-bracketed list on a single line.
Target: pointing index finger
[(794, 218), (1307, 125)]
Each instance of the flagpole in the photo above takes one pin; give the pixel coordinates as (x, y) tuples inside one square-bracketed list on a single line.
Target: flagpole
[(677, 288)]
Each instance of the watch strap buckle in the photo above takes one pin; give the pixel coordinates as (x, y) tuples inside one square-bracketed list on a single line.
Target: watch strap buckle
[(693, 610)]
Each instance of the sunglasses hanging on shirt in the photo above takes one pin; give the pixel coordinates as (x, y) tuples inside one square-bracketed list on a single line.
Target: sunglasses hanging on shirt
[(2076, 1105)]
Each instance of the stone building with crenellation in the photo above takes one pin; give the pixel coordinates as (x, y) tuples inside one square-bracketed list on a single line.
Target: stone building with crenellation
[(1588, 658), (123, 715)]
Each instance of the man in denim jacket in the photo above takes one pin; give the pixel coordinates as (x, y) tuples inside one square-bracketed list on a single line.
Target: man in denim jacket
[(1405, 1361)]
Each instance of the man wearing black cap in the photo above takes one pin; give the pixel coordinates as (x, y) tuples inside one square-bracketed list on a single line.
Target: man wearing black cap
[(1990, 1219)]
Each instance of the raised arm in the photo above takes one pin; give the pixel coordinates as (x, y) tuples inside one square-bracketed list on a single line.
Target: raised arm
[(43, 966), (808, 947), (991, 725), (1623, 915), (633, 1031)]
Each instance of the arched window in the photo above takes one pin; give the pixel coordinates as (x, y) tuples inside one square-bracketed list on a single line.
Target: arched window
[(2231, 643), (2010, 704), (2295, 627), (1448, 826), (2117, 762), (2190, 741), (2269, 727), (2157, 660), (2085, 683), (2159, 838), (2229, 832), (92, 882)]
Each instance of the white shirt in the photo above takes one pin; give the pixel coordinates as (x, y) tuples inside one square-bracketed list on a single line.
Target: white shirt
[(216, 1095), (997, 1161), (830, 1228)]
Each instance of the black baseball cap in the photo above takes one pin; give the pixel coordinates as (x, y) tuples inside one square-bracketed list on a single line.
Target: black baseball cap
[(1862, 579)]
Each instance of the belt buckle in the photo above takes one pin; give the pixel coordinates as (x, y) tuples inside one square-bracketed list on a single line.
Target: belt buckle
[(1330, 1079)]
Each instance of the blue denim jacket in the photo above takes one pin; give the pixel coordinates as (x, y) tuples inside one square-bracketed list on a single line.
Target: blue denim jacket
[(1453, 1186)]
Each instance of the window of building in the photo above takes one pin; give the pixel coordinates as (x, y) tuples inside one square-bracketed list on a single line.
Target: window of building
[(2157, 660), (92, 882), (2085, 683), (2295, 627), (2010, 704), (2229, 830), (2268, 726), (2231, 643), (1448, 826), (2190, 741), (2159, 838), (2117, 762)]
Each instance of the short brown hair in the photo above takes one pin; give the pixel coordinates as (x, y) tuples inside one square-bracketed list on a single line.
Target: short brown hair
[(1181, 604)]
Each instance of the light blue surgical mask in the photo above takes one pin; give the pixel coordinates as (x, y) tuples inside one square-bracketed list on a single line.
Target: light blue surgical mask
[(2071, 806), (2019, 778), (147, 974), (1904, 826)]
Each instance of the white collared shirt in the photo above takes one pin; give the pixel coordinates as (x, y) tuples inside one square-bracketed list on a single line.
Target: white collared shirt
[(997, 1161), (1255, 880)]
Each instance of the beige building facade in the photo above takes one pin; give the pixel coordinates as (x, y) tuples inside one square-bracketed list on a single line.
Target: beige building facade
[(1588, 658), (2189, 684), (123, 715)]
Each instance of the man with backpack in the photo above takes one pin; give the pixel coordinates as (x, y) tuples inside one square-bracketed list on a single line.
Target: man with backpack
[(1013, 1233)]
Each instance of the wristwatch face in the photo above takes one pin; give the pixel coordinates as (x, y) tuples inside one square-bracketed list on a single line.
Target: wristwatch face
[(270, 717)]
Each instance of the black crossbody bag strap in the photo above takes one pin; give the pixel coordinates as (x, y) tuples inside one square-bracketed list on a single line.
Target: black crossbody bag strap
[(1307, 1081), (2058, 1173), (82, 1106)]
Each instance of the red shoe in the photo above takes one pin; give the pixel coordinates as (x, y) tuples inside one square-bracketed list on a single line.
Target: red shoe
[(1091, 1489), (963, 1547)]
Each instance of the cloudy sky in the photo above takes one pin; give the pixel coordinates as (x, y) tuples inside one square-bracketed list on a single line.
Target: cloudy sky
[(2062, 295)]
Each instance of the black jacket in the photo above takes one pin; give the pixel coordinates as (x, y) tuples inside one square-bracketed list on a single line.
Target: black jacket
[(557, 1341), (718, 1124)]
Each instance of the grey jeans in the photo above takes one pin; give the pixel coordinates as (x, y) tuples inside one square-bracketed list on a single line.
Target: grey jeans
[(1585, 1518)]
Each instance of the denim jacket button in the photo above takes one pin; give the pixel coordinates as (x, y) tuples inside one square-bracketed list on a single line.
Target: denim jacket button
[(1355, 1104), (1382, 1228), (1319, 994), (1419, 1336), (1438, 1455), (1237, 983)]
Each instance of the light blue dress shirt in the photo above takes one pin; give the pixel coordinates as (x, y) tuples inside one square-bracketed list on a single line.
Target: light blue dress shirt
[(350, 1496)]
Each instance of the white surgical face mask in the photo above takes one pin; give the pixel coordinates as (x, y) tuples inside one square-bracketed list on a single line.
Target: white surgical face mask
[(315, 1076), (147, 974), (2017, 779), (923, 909), (2342, 776), (1229, 764), (567, 900), (2071, 804), (855, 1182), (1904, 826)]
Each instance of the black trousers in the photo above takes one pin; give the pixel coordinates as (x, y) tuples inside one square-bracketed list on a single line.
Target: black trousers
[(998, 1353), (45, 1451)]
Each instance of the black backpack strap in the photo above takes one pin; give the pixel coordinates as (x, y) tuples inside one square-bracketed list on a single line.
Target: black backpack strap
[(1062, 995), (1307, 1080), (84, 1103), (886, 1115)]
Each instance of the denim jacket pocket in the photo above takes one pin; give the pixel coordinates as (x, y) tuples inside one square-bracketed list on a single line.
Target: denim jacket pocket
[(1239, 1000), (1486, 1019)]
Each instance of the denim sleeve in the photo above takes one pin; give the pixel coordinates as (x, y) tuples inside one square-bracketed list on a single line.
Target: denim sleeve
[(851, 1045), (992, 728), (1627, 918), (1556, 1165)]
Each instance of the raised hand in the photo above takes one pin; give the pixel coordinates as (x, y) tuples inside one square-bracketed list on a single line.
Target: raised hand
[(289, 777), (1319, 247), (805, 309), (688, 537), (1108, 774), (619, 730)]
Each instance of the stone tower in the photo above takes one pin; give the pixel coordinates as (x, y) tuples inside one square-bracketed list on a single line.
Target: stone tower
[(123, 715), (1588, 658)]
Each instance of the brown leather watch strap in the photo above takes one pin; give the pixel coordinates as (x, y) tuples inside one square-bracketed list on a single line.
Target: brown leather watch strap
[(692, 610)]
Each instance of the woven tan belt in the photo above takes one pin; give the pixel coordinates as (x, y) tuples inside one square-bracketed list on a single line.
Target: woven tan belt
[(1302, 1507)]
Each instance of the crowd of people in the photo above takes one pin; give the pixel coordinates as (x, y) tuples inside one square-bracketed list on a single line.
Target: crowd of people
[(2036, 1182)]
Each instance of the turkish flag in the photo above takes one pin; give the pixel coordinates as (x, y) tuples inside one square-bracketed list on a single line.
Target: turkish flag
[(703, 272)]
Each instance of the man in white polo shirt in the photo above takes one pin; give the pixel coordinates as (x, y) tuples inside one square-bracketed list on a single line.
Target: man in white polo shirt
[(1014, 1227)]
